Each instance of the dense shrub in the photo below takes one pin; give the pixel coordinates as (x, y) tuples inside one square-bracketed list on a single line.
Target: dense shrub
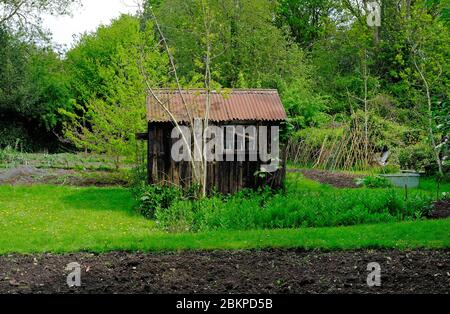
[(156, 198), (151, 198), (13, 135), (418, 157)]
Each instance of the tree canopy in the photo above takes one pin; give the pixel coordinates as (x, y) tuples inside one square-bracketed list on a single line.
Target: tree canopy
[(336, 73)]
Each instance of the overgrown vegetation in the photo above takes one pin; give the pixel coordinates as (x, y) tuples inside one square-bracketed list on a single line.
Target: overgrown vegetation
[(304, 203)]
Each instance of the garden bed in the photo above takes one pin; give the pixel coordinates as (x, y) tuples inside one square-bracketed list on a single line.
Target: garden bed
[(335, 179), (28, 175), (441, 209), (270, 271)]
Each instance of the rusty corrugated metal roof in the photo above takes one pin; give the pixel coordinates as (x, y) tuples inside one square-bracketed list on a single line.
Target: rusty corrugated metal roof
[(234, 105)]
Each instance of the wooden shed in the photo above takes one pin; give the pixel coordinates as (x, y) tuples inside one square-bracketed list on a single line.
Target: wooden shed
[(248, 108)]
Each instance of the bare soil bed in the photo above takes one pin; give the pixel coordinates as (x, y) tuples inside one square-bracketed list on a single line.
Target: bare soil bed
[(336, 179), (270, 271), (441, 209)]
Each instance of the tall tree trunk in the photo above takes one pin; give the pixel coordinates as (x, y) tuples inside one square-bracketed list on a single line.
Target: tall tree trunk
[(430, 118), (197, 175), (207, 24), (408, 9)]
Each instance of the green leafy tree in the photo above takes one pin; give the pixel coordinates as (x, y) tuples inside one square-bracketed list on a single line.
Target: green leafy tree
[(248, 49), (33, 87), (25, 15), (429, 39), (32, 82), (107, 75), (307, 20), (305, 107), (46, 89)]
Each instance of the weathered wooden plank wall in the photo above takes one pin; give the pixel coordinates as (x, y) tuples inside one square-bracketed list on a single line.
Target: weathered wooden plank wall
[(224, 176)]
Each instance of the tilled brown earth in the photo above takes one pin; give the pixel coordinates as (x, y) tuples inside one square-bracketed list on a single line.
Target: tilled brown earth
[(270, 271), (335, 179), (441, 209)]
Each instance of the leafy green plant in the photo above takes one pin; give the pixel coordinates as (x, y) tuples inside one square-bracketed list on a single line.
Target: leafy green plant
[(374, 182), (10, 157), (152, 198)]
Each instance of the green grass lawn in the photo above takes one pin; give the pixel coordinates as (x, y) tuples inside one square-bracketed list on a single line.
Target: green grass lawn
[(69, 219)]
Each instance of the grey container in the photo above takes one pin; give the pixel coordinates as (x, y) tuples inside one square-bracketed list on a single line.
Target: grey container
[(401, 180)]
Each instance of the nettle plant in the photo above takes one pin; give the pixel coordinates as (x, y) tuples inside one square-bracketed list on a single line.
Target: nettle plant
[(152, 198)]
